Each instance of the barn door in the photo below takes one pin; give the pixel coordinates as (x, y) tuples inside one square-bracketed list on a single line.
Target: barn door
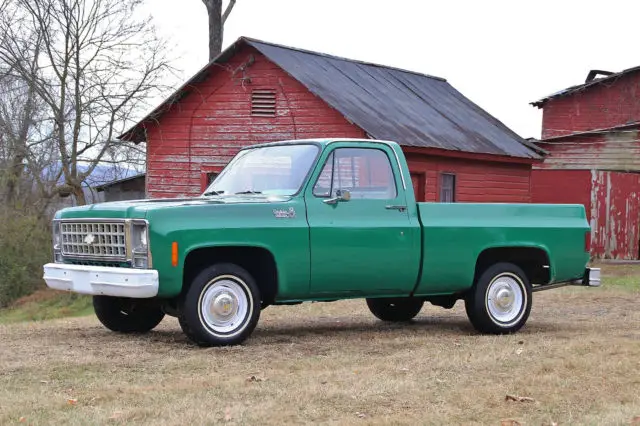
[(419, 182)]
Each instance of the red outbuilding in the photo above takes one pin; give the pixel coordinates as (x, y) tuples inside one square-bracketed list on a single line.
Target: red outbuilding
[(256, 92), (590, 132)]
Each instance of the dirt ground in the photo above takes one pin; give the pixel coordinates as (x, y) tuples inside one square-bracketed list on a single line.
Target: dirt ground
[(577, 361)]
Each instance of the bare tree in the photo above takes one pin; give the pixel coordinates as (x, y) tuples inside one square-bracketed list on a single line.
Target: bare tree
[(217, 19), (98, 65), (23, 137)]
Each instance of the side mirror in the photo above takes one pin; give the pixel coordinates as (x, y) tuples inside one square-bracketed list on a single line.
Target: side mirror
[(341, 195)]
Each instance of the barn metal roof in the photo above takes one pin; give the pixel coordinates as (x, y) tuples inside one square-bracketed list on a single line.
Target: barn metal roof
[(387, 103)]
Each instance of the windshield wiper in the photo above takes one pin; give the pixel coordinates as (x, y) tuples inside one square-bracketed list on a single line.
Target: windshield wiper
[(213, 193), (248, 192)]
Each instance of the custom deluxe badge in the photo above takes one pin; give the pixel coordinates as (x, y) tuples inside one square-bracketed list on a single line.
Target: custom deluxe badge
[(287, 214)]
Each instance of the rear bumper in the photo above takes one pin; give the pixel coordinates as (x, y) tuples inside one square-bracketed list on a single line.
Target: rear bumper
[(590, 278), (101, 280)]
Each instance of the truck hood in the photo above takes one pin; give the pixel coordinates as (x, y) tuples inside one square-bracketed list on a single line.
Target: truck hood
[(138, 209)]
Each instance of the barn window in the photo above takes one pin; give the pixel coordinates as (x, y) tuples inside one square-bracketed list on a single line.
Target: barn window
[(211, 176), (447, 187), (263, 103)]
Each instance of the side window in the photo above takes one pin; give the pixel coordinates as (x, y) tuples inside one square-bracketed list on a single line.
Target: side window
[(365, 172)]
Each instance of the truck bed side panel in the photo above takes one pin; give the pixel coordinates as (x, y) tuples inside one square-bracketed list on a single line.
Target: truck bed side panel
[(454, 235)]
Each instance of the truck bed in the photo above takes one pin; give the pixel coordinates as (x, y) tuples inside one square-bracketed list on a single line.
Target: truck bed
[(455, 234)]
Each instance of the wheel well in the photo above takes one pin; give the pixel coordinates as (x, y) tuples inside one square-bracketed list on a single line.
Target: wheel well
[(259, 262), (533, 261)]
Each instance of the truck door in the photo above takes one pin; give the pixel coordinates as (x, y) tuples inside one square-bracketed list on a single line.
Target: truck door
[(363, 245)]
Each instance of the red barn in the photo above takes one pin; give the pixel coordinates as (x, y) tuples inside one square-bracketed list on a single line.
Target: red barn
[(590, 132), (257, 92)]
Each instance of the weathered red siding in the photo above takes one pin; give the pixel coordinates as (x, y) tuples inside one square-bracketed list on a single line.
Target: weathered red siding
[(615, 211), (476, 181), (205, 129), (615, 103), (615, 150), (561, 187), (201, 133), (611, 200)]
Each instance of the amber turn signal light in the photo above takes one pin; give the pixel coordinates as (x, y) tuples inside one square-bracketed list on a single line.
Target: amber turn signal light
[(174, 253)]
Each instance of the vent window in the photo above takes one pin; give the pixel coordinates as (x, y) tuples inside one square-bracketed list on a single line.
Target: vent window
[(263, 103)]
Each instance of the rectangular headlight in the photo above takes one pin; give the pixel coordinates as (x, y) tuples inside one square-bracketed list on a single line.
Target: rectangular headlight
[(57, 242), (140, 257)]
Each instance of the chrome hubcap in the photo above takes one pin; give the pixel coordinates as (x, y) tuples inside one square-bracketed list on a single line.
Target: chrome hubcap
[(224, 305), (505, 299)]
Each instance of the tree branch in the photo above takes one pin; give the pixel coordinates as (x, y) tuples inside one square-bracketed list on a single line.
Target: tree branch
[(228, 10)]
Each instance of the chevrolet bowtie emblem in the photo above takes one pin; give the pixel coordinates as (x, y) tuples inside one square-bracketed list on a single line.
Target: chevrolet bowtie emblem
[(89, 239)]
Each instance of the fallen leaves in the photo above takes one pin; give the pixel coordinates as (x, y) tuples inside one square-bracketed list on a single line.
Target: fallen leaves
[(517, 398)]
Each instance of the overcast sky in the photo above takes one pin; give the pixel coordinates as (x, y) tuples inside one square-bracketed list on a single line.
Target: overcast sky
[(502, 54)]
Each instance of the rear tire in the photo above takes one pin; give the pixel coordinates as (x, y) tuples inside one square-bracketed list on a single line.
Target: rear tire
[(500, 301), (222, 306), (125, 315), (395, 309)]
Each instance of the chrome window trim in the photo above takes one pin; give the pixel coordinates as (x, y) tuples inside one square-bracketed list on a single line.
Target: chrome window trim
[(387, 143)]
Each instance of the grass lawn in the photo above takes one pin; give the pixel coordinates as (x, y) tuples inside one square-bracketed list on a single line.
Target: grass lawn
[(575, 362), (46, 305)]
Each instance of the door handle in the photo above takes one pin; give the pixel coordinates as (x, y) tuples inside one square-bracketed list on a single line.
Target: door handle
[(392, 207)]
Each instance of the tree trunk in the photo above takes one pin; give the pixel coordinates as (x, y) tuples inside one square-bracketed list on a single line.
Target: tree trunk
[(14, 177), (78, 193), (214, 8)]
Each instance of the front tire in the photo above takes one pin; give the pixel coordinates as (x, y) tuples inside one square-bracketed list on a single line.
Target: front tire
[(125, 315), (500, 301), (222, 306), (395, 309)]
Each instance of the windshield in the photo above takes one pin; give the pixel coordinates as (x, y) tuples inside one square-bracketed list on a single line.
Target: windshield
[(276, 170)]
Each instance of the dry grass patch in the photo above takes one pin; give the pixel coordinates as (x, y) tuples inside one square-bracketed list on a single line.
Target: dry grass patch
[(334, 363)]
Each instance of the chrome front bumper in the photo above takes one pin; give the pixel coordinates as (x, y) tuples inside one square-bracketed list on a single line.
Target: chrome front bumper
[(102, 280)]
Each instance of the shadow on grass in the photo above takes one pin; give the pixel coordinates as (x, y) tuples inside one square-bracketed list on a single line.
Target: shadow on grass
[(344, 331)]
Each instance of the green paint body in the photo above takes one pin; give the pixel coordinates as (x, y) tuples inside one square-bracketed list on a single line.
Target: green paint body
[(356, 248)]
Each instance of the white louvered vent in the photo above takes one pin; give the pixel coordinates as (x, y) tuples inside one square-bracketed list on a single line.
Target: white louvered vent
[(263, 103)]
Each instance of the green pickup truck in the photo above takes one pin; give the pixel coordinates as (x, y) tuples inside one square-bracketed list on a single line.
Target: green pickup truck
[(313, 220)]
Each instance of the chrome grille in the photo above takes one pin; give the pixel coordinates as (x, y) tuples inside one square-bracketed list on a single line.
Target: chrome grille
[(93, 239)]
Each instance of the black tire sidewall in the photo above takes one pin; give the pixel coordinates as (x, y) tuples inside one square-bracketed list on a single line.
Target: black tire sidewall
[(141, 320), (191, 320), (405, 309), (476, 303)]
